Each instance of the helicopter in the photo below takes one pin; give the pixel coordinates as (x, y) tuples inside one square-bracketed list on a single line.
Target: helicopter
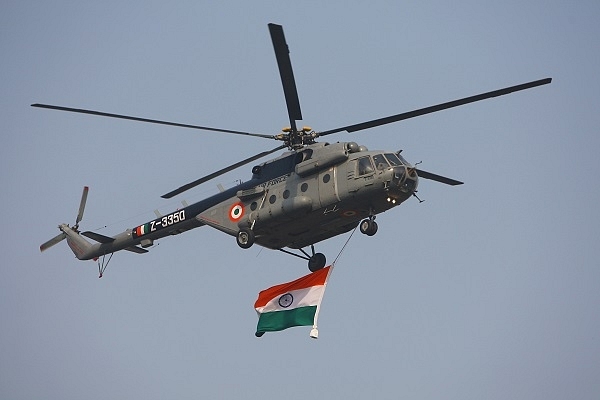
[(311, 192)]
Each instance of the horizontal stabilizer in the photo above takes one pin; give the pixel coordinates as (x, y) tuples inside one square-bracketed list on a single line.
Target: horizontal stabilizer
[(98, 237), (136, 249)]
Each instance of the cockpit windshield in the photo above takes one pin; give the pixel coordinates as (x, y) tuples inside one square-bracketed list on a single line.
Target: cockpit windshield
[(380, 162), (393, 159), (396, 159), (404, 160)]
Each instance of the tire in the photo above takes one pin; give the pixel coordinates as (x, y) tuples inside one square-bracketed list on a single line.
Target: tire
[(316, 262), (245, 238), (373, 229), (368, 227)]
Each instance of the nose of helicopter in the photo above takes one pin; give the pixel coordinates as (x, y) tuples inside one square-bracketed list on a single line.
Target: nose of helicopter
[(405, 179)]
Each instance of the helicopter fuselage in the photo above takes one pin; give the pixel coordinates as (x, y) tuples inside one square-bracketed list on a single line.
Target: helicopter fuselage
[(295, 200), (309, 194)]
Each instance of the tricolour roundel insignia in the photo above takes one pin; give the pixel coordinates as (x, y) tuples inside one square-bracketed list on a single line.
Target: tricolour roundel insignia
[(236, 212)]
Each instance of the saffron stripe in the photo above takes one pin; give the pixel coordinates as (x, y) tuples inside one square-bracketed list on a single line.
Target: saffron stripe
[(301, 298), (314, 279)]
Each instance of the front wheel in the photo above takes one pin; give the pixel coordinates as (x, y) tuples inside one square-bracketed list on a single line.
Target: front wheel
[(245, 238)]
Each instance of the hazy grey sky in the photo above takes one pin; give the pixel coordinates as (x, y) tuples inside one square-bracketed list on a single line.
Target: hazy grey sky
[(487, 290)]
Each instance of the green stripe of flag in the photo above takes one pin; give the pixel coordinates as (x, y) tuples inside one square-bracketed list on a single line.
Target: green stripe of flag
[(279, 320)]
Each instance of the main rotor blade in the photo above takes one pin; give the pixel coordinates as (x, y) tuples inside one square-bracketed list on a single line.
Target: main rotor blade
[(56, 239), (438, 107), (152, 121), (282, 53), (219, 172), (437, 178), (82, 205)]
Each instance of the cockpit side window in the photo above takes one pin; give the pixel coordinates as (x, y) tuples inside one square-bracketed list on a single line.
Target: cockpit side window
[(380, 162), (365, 166)]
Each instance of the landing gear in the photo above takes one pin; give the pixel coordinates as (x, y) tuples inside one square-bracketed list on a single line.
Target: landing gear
[(316, 262), (368, 226), (245, 238)]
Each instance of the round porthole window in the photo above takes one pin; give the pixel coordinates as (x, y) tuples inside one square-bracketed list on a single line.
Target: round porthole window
[(286, 194), (304, 187), (326, 178), (272, 199), (253, 206)]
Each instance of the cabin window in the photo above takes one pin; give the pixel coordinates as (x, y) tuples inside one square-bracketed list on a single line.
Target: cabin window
[(304, 187), (286, 194), (365, 166), (272, 199), (380, 162)]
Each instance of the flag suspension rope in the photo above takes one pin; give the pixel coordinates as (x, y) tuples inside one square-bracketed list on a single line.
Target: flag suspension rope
[(314, 332), (295, 303)]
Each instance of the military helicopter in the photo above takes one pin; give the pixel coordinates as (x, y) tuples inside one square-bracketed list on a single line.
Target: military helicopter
[(312, 192)]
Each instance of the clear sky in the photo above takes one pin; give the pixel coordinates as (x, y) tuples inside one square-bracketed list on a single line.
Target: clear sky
[(486, 290)]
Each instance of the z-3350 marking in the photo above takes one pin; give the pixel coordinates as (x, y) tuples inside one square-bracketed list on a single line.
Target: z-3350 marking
[(159, 223)]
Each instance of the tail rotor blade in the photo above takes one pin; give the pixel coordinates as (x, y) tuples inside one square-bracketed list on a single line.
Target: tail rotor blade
[(57, 239), (82, 205)]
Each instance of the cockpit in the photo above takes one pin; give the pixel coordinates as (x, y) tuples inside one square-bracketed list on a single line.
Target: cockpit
[(404, 176)]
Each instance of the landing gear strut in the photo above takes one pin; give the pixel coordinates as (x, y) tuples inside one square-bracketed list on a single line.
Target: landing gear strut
[(316, 261)]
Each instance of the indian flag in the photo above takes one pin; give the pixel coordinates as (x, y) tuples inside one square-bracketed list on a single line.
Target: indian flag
[(290, 304)]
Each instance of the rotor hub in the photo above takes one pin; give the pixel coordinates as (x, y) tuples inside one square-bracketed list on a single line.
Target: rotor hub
[(297, 139)]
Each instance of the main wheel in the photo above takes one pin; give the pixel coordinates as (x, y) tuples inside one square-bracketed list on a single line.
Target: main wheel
[(373, 229), (316, 262), (245, 238), (368, 227)]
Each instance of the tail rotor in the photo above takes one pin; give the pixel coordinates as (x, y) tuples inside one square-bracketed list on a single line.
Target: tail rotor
[(61, 236)]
